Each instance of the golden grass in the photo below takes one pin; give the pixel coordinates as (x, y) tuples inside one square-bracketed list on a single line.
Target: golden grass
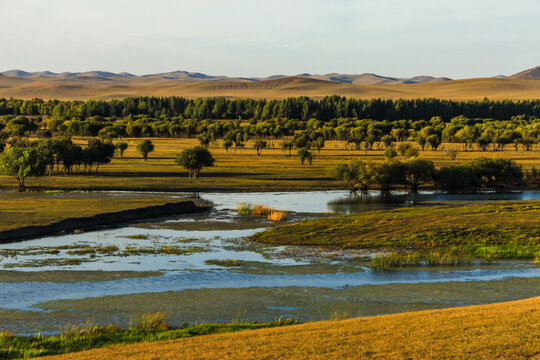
[(77, 89), (242, 170), (262, 211), (277, 215), (28, 210), (499, 331)]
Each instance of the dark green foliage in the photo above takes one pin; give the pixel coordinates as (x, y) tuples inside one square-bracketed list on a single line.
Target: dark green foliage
[(145, 147), (259, 145), (23, 162), (456, 178), (194, 160), (121, 146), (305, 155), (497, 173), (417, 172)]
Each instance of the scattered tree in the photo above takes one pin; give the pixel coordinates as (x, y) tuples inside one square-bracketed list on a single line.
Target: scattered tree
[(194, 160), (23, 162), (145, 147)]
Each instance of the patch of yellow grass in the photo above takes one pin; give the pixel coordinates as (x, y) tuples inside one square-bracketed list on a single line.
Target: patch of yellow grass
[(498, 331), (277, 215), (261, 210)]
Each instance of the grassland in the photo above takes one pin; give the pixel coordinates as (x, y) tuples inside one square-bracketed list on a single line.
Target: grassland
[(439, 235), (147, 328), (498, 331), (240, 171), (29, 210), (96, 88)]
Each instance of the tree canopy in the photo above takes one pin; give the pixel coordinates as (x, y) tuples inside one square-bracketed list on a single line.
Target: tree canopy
[(194, 160)]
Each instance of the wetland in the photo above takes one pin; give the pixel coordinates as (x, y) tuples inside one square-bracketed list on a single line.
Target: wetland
[(204, 268)]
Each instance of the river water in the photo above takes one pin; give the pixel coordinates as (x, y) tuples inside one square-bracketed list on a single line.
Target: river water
[(323, 279)]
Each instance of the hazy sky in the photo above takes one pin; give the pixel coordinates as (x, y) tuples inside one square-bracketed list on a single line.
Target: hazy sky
[(454, 38)]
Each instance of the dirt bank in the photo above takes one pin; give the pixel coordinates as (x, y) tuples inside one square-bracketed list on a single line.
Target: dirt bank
[(109, 219)]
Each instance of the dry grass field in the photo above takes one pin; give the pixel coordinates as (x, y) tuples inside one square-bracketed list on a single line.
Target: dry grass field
[(240, 171), (498, 331), (100, 88)]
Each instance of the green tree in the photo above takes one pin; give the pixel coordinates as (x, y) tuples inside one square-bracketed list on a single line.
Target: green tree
[(145, 147), (357, 174), (227, 144), (318, 144), (259, 145), (434, 141), (497, 173), (418, 171), (304, 155), (388, 141), (455, 178), (389, 173), (121, 147), (194, 160), (287, 146), (23, 162), (406, 150)]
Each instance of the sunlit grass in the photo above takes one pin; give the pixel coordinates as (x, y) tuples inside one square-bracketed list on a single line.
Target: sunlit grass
[(435, 235), (144, 328), (496, 331), (259, 210)]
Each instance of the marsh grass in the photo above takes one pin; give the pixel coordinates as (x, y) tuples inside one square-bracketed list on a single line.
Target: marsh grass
[(259, 210), (277, 215), (435, 235), (411, 259), (225, 262), (144, 328)]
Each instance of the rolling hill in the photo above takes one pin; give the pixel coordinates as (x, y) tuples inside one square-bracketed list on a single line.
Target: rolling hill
[(107, 85), (498, 331), (531, 74)]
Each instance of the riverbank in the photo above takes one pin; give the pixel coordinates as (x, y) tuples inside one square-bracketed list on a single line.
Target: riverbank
[(506, 330), (26, 218), (436, 235)]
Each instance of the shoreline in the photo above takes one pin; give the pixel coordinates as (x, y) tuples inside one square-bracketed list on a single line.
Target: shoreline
[(100, 221), (230, 190)]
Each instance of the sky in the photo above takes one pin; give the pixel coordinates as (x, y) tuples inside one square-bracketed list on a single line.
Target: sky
[(454, 38)]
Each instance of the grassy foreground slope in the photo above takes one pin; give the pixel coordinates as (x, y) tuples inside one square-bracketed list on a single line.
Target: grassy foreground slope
[(485, 230), (499, 331), (97, 88)]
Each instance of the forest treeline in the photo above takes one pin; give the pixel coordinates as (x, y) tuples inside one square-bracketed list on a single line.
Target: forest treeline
[(363, 124), (300, 108)]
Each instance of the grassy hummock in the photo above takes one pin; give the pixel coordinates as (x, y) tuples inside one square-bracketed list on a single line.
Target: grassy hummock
[(434, 235)]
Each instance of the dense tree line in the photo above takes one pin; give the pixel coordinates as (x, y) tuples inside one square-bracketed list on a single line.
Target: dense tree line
[(300, 108)]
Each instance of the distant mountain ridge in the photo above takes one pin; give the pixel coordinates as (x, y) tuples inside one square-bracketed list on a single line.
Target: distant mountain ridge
[(195, 77), (188, 77)]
